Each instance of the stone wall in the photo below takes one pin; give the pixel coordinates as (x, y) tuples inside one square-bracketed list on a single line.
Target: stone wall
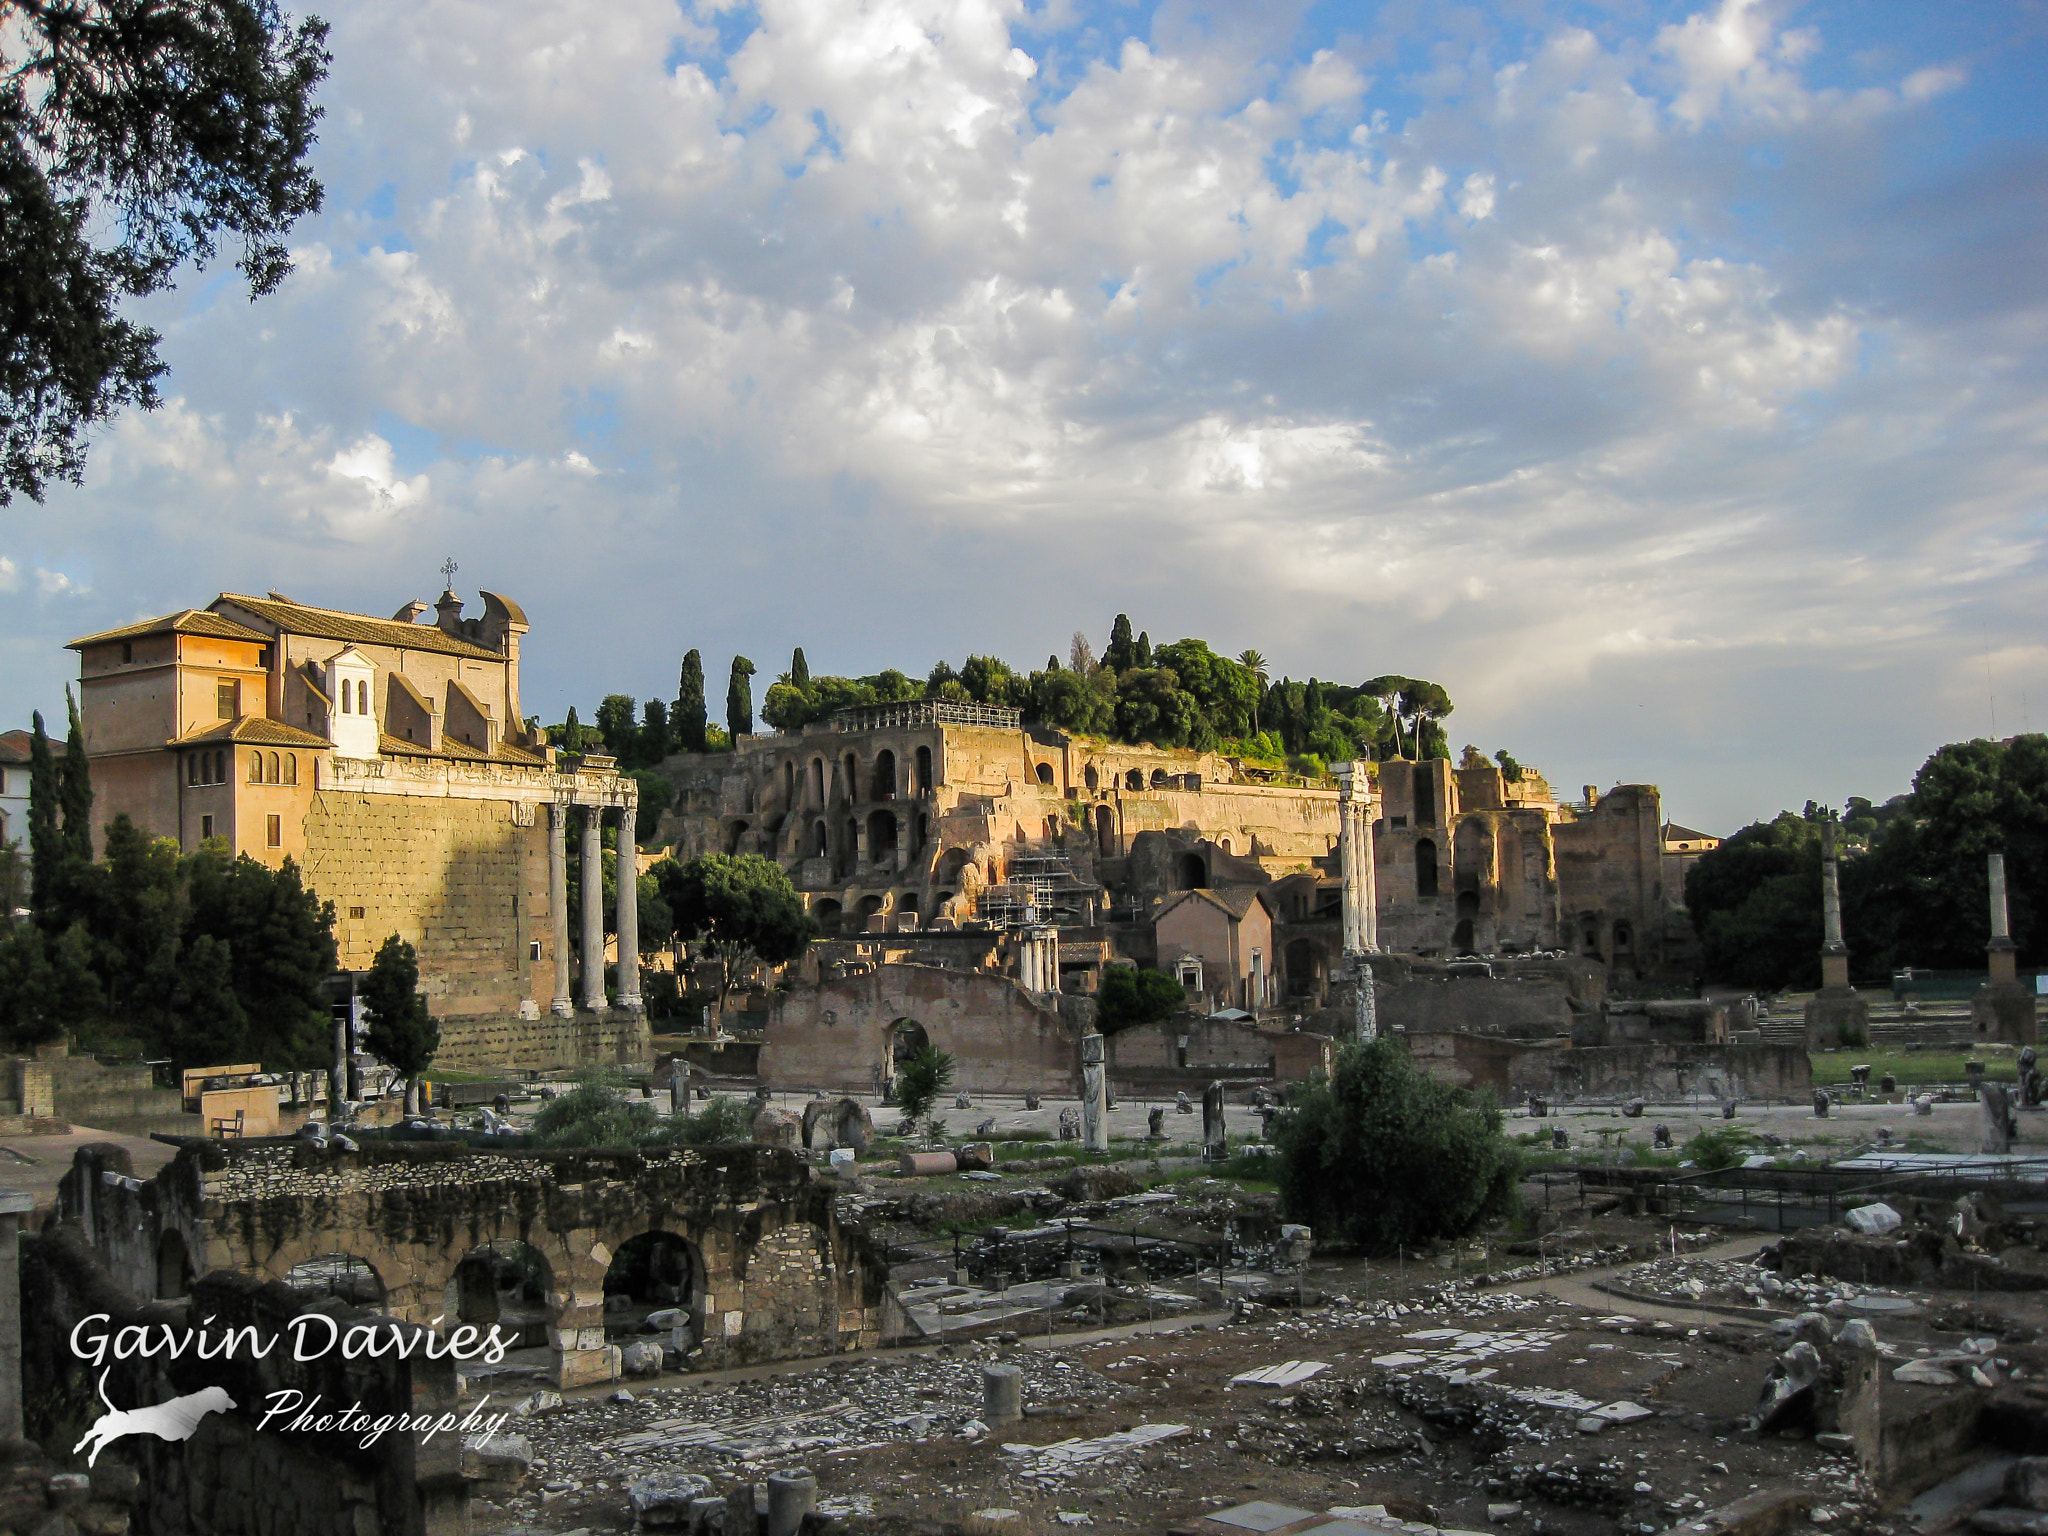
[(1475, 1004), (229, 1479), (839, 1036), (773, 1275), (463, 880), (504, 1041), (1666, 1071)]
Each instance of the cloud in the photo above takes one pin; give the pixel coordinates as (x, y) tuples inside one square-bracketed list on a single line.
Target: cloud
[(1540, 356)]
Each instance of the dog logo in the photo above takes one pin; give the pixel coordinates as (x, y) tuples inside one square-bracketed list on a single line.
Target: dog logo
[(176, 1420)]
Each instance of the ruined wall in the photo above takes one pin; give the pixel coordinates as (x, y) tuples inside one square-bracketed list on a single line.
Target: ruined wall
[(490, 1042), (1666, 1072), (227, 1479), (1610, 887), (1476, 1004), (837, 1036), (774, 1276), (1481, 1062), (463, 880)]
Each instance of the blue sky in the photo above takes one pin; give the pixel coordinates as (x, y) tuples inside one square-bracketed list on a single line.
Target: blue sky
[(1664, 379)]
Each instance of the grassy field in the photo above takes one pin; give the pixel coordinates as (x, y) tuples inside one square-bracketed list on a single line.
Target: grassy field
[(1912, 1068)]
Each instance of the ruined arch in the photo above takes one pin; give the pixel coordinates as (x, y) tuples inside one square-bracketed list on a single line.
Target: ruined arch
[(1159, 779), (870, 906), (1191, 872), (821, 840), (174, 1274), (1425, 869), (885, 775), (655, 1271), (851, 764), (1135, 779), (505, 1282), (1624, 936), (952, 865), (1044, 773), (907, 902), (1090, 777), (906, 1038), (817, 781), (829, 915)]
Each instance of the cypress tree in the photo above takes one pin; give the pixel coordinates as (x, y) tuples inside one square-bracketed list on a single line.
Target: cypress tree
[(45, 841), (739, 699), (1119, 656), (799, 672), (688, 718), (1052, 664), (572, 733), (74, 788), (1142, 654)]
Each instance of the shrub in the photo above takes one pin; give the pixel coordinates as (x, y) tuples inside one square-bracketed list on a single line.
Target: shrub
[(1129, 996), (592, 1115), (1382, 1155), (921, 1080), (1714, 1149)]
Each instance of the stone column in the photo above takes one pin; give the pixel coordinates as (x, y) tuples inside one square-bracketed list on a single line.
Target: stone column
[(337, 1082), (1368, 875), (593, 909), (1834, 954), (1347, 857), (627, 920), (14, 1209), (558, 903), (1094, 1095), (2001, 952)]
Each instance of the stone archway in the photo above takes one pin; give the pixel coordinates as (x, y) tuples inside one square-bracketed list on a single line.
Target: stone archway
[(507, 1283), (651, 1273)]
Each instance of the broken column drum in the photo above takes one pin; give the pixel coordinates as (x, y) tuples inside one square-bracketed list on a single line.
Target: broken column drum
[(1215, 1141), (791, 1496), (1002, 1394)]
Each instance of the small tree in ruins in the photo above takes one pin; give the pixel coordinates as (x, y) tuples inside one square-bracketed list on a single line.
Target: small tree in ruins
[(402, 1034), (744, 909)]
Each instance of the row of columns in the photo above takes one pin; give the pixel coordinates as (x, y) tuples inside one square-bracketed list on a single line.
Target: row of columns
[(626, 917), (1038, 960)]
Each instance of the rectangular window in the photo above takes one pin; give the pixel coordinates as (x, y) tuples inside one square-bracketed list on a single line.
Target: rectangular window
[(533, 949), (355, 914), (276, 831), (205, 827), (227, 697)]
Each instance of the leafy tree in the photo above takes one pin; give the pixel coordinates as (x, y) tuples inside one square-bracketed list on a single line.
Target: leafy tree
[(1121, 654), (402, 1033), (280, 942), (1755, 902), (1080, 654), (30, 1009), (653, 744), (1383, 1156), (1426, 705), (46, 846), (74, 788), (1386, 691), (744, 908), (210, 1025), (989, 681), (1510, 770), (133, 135), (920, 1081), (615, 724), (1081, 702), (1152, 706), (799, 671), (688, 719), (739, 699), (1129, 997)]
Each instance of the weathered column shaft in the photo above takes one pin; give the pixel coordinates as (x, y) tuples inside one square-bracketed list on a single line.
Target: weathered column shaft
[(2000, 922), (593, 909), (1368, 875), (1830, 894), (1094, 1094), (558, 903), (627, 920)]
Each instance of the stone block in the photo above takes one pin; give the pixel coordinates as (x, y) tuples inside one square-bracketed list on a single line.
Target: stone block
[(641, 1358), (587, 1367), (661, 1502)]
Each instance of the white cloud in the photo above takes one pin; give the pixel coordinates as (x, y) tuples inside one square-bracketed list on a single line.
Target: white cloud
[(1506, 364)]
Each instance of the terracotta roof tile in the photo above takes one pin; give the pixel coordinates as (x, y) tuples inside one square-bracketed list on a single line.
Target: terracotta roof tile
[(14, 746), (254, 730), (355, 628), (186, 621)]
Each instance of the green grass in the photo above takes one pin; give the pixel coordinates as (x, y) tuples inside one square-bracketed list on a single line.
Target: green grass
[(1912, 1068)]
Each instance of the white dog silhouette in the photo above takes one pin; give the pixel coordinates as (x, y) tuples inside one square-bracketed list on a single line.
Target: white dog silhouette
[(176, 1420)]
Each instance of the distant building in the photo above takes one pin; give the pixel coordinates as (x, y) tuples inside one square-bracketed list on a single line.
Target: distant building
[(389, 759), (14, 751), (1682, 849)]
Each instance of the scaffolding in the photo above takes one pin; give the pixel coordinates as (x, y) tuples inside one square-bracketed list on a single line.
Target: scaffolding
[(1037, 886)]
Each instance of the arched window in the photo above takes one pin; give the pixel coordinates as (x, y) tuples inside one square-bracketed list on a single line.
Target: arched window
[(348, 697), (885, 775), (220, 767), (924, 770), (1194, 875), (852, 786), (1425, 868), (817, 781), (1045, 773), (1159, 778), (1135, 779), (255, 767), (363, 697), (271, 772), (820, 844), (291, 768), (192, 768)]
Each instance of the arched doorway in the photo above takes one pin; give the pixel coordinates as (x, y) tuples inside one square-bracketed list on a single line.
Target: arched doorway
[(1425, 869), (885, 775), (817, 781), (174, 1275), (881, 837), (906, 1038), (1159, 779), (851, 765), (1193, 872), (505, 1283), (654, 1272), (870, 906), (353, 1280), (1045, 773), (1461, 937), (828, 913), (821, 841), (1135, 779)]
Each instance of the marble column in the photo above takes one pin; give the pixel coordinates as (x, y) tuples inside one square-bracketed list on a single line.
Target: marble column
[(2001, 953), (1347, 857), (627, 920), (1368, 874), (1834, 954), (558, 904), (593, 910)]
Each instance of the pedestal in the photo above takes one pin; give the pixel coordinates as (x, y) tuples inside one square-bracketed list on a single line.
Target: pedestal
[(2003, 1013), (1837, 1016)]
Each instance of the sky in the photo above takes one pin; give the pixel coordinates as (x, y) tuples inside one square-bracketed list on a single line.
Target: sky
[(1665, 380)]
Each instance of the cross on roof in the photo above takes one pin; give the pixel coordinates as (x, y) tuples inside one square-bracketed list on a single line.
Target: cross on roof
[(448, 570)]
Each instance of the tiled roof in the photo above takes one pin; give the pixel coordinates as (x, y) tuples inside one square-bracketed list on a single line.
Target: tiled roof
[(254, 730), (355, 628), (1236, 900), (1674, 833), (14, 746), (516, 756), (186, 621)]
